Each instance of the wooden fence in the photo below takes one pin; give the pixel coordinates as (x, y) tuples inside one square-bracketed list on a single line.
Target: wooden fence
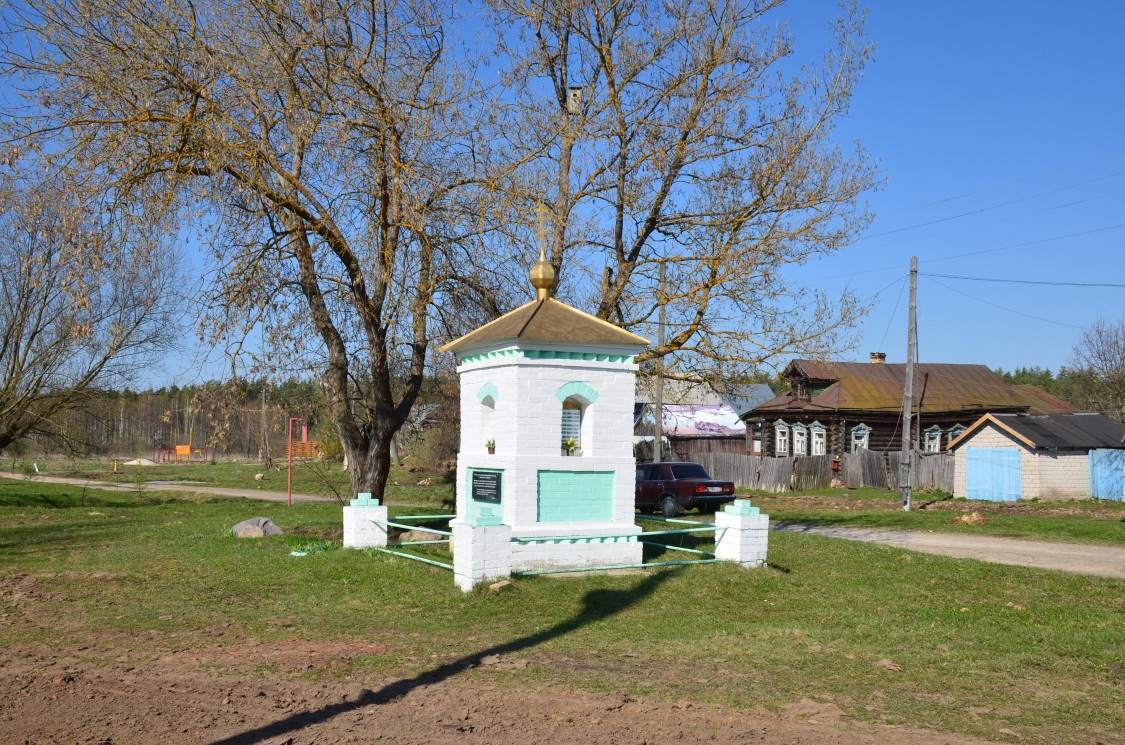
[(865, 468), (933, 471)]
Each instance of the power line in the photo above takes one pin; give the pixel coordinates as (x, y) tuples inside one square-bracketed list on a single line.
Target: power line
[(955, 197), (894, 312), (973, 253), (986, 209), (1029, 243), (1009, 218), (1009, 310), (1027, 281)]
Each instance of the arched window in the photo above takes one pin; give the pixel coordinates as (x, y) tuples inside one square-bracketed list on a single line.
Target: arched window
[(487, 422), (800, 440), (571, 430), (861, 437), (781, 438), (819, 439), (574, 422), (487, 396)]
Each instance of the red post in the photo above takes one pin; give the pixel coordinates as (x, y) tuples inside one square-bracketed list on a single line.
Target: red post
[(289, 449)]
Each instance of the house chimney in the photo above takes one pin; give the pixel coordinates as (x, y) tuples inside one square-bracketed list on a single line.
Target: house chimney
[(878, 358)]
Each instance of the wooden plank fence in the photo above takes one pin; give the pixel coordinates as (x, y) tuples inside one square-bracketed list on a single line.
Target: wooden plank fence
[(865, 468), (932, 471), (812, 472)]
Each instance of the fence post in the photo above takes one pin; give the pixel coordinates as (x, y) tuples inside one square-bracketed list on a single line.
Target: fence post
[(482, 549), (359, 529), (741, 534)]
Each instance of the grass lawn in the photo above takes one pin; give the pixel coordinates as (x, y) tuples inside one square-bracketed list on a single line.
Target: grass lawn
[(1008, 653), (1077, 521), (318, 478)]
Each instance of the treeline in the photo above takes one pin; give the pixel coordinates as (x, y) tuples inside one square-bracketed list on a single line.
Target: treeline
[(1086, 389), (243, 420)]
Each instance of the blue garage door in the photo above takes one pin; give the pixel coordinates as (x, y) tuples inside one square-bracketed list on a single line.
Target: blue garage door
[(993, 474), (1107, 474)]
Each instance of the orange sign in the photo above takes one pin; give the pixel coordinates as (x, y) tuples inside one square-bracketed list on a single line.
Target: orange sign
[(183, 450)]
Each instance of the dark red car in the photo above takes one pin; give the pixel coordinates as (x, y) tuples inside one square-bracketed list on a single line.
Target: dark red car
[(671, 488)]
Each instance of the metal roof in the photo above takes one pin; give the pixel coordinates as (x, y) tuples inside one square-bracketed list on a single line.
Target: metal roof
[(548, 321), (863, 386), (1041, 402), (744, 398), (1081, 431)]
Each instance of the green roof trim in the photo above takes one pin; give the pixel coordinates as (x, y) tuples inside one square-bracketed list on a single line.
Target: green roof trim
[(487, 390), (576, 388), (546, 354)]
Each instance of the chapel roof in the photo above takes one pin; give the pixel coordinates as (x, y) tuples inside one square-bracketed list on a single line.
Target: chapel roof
[(548, 321)]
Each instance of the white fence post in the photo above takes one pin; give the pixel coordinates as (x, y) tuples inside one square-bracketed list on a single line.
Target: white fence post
[(742, 534), (482, 549), (365, 523)]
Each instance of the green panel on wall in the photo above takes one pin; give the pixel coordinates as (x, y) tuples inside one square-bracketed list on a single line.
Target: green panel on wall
[(566, 496)]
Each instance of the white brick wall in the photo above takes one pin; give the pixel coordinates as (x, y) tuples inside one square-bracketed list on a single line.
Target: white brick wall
[(1061, 476), (1044, 475), (527, 428)]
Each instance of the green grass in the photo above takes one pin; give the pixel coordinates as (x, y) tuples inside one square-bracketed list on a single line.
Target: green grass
[(324, 479), (981, 647)]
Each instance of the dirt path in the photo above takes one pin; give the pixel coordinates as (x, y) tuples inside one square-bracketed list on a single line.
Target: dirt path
[(212, 695), (268, 496), (1101, 561)]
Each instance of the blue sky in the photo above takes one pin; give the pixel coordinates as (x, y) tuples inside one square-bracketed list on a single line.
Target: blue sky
[(999, 128), (999, 131)]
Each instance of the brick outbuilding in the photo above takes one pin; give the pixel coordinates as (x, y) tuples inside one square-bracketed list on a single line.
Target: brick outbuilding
[(1005, 457)]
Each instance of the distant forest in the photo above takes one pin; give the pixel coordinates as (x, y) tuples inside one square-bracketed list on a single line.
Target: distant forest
[(1080, 388), (241, 420)]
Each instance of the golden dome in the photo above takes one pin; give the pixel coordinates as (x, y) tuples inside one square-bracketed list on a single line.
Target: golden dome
[(543, 277)]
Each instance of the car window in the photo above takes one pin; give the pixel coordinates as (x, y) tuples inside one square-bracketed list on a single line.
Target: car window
[(652, 473), (640, 473), (689, 471)]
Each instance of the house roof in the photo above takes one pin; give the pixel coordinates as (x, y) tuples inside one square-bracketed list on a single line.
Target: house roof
[(677, 392), (548, 321), (1079, 431), (744, 398), (1041, 402), (862, 386)]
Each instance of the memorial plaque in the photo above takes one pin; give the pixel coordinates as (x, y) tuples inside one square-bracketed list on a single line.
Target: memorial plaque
[(486, 486)]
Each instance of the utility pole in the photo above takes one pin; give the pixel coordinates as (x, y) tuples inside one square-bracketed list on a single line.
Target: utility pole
[(906, 467), (658, 438)]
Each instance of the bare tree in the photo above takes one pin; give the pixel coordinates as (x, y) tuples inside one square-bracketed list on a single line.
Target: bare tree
[(1096, 376), (344, 164), (85, 302), (330, 151), (680, 137)]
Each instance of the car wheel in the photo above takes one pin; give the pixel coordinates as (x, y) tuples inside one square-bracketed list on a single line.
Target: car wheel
[(669, 507)]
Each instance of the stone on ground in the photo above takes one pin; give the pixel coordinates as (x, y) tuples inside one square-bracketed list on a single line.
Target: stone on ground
[(256, 527)]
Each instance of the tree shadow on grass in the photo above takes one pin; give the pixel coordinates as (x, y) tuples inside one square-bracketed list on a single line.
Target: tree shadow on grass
[(596, 606)]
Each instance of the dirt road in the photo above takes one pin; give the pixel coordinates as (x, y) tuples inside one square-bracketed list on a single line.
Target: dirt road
[(268, 496), (1100, 561), (113, 690)]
